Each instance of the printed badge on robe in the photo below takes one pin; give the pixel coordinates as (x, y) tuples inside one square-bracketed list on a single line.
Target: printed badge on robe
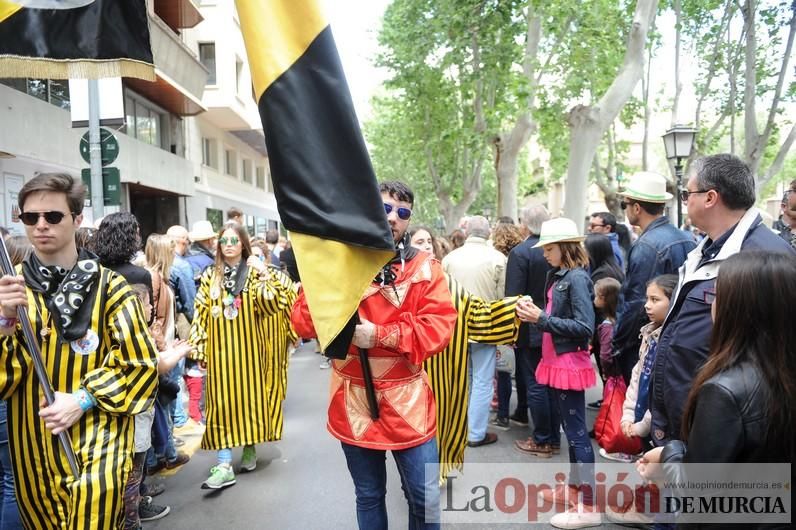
[(86, 345)]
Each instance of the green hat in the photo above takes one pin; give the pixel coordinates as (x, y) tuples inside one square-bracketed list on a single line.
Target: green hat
[(646, 186)]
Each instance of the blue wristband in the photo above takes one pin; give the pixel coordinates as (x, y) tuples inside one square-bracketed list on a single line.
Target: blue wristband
[(84, 399)]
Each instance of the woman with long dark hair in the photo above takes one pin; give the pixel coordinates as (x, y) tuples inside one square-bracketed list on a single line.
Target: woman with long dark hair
[(233, 303), (602, 262), (740, 408)]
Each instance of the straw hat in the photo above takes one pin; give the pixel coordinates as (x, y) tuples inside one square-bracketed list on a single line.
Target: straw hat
[(646, 186), (201, 231), (560, 230)]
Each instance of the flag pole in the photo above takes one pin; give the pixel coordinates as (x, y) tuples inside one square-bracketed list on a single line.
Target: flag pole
[(95, 151), (38, 364)]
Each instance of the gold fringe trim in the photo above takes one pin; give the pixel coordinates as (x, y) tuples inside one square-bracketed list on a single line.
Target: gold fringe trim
[(43, 68)]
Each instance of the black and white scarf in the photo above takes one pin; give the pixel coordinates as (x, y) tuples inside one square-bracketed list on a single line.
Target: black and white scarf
[(235, 277), (69, 295)]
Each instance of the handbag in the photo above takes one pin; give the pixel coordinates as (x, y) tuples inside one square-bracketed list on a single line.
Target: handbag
[(607, 429)]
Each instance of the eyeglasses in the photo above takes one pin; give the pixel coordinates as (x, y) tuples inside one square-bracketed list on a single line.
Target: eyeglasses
[(403, 213), (709, 296), (228, 241), (624, 204), (685, 193), (51, 218), (592, 225)]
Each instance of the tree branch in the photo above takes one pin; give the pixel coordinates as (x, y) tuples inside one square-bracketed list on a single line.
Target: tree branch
[(779, 160), (750, 80), (724, 28), (783, 72)]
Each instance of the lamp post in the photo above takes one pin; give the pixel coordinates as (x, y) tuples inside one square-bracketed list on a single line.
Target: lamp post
[(678, 141)]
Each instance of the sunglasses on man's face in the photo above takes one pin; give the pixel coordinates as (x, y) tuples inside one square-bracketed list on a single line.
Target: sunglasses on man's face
[(51, 218), (403, 213), (228, 241)]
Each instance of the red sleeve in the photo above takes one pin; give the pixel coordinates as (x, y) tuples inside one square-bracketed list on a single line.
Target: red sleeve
[(606, 332), (426, 330), (301, 319)]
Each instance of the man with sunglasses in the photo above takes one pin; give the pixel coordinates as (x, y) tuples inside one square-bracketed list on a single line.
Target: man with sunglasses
[(100, 357), (660, 249), (406, 316)]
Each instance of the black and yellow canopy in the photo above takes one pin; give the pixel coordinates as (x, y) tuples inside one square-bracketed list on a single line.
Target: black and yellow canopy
[(80, 39), (326, 190)]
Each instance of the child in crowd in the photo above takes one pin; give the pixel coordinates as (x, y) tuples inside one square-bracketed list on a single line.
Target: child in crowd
[(606, 299), (136, 507), (636, 416), (567, 324)]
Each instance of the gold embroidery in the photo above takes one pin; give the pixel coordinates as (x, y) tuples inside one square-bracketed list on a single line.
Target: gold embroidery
[(356, 405), (390, 340), (411, 402)]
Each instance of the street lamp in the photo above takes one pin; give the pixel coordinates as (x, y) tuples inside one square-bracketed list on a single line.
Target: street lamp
[(678, 141)]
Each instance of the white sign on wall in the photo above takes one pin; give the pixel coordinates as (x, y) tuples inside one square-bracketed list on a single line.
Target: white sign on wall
[(111, 101), (12, 183)]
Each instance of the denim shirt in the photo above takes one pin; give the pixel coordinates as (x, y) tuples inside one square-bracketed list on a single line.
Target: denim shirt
[(181, 281), (571, 322), (661, 249)]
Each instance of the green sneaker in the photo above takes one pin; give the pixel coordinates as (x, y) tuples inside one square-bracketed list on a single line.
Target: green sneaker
[(221, 476), (248, 461)]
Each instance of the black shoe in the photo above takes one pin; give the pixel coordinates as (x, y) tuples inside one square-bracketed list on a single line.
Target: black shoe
[(500, 423), (180, 460), (152, 490), (591, 434), (157, 467), (519, 419), (489, 438), (149, 511), (595, 405)]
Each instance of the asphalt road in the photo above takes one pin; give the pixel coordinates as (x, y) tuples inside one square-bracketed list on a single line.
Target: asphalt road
[(302, 482)]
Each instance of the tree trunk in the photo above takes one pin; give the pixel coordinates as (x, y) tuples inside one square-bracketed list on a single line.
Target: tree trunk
[(645, 88), (678, 84), (750, 78), (589, 123)]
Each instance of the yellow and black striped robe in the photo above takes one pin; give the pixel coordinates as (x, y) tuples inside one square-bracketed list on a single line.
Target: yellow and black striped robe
[(278, 335), (235, 393), (478, 321), (122, 377)]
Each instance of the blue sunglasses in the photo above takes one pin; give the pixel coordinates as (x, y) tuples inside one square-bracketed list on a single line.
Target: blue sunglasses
[(403, 213)]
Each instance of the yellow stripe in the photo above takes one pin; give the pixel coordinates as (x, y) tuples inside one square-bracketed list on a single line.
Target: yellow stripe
[(277, 33), (8, 8), (334, 276)]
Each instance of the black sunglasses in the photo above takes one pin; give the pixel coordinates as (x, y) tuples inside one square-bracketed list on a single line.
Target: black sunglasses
[(52, 218), (685, 193), (403, 213), (624, 205)]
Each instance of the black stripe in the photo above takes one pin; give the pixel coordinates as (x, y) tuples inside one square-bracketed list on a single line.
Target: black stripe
[(323, 179)]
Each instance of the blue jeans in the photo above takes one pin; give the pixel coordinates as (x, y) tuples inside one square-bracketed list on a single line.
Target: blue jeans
[(162, 437), (368, 468), (481, 370), (176, 408), (572, 407), (504, 393), (9, 512), (541, 402)]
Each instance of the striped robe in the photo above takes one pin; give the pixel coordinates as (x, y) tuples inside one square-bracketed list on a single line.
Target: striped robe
[(122, 377), (279, 334), (479, 321), (236, 392)]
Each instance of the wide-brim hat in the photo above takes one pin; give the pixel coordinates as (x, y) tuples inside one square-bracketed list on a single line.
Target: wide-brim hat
[(201, 231), (560, 230), (646, 186)]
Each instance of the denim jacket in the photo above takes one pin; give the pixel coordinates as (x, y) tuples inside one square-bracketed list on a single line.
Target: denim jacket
[(661, 249), (571, 322)]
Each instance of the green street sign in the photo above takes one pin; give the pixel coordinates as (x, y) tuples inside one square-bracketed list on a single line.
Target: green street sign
[(111, 185), (108, 143)]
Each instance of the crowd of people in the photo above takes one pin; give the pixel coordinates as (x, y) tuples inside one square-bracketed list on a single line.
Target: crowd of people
[(195, 328)]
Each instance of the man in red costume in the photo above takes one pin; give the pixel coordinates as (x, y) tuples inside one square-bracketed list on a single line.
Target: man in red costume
[(406, 316)]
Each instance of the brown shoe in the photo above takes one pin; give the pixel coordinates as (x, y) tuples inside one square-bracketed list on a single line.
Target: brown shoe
[(489, 438), (529, 447), (180, 460)]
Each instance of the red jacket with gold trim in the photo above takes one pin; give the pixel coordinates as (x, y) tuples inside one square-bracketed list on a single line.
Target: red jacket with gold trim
[(414, 320)]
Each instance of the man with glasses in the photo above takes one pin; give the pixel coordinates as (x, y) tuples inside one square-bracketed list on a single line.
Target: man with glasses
[(660, 249), (96, 347), (406, 316), (605, 223)]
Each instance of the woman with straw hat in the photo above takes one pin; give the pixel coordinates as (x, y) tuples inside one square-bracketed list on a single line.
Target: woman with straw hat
[(567, 324)]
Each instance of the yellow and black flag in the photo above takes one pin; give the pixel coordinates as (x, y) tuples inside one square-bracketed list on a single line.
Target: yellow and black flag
[(325, 187), (69, 39)]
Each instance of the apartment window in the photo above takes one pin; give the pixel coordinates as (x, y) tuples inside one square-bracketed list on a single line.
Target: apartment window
[(230, 163), (143, 121), (209, 156), (207, 56), (247, 171), (54, 91), (216, 218), (238, 75), (261, 177)]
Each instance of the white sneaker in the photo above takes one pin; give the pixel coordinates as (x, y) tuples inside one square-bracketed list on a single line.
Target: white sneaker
[(628, 517), (617, 457), (580, 517)]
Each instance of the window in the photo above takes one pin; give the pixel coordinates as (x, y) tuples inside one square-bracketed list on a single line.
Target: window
[(238, 75), (54, 91), (261, 177), (247, 171), (143, 121), (209, 156), (207, 56), (230, 163), (216, 218)]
